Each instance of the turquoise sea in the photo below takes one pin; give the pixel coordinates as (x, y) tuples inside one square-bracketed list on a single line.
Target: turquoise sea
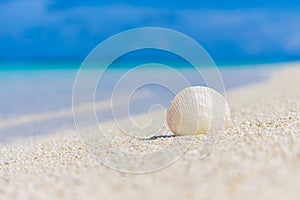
[(32, 90)]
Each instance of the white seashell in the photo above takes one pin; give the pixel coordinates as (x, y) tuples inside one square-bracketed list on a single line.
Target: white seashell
[(198, 110)]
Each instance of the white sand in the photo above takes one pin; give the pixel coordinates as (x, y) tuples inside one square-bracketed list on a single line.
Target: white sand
[(258, 157)]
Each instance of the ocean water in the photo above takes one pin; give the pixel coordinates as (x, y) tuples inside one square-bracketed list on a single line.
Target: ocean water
[(36, 99)]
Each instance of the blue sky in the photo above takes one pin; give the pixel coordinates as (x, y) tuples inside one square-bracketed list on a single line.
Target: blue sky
[(228, 30)]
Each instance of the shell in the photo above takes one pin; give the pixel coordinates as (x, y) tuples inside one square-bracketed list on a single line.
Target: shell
[(198, 110)]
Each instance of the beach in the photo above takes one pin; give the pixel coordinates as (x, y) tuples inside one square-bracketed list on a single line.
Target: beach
[(256, 157)]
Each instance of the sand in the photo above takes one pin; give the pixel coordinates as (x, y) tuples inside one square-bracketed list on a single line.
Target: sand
[(257, 157)]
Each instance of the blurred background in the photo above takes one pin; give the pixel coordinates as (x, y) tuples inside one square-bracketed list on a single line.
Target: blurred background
[(233, 32)]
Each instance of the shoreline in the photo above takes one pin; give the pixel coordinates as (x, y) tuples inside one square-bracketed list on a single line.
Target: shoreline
[(257, 157), (27, 114)]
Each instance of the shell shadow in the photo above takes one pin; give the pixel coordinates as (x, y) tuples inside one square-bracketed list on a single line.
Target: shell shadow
[(160, 136)]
